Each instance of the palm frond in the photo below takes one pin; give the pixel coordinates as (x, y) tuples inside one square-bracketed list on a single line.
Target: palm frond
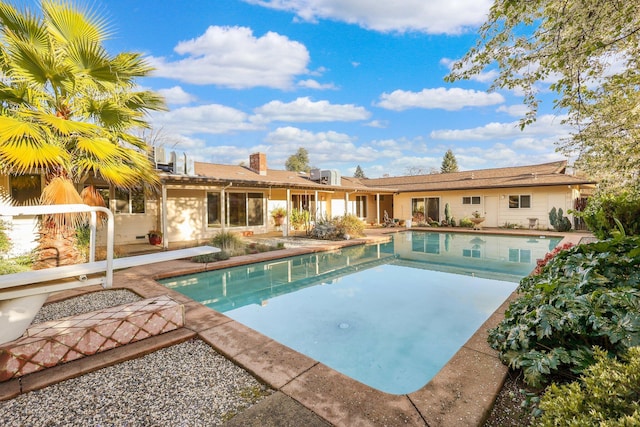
[(132, 64), (12, 128), (68, 24), (26, 155), (23, 25), (65, 127), (92, 62), (100, 149)]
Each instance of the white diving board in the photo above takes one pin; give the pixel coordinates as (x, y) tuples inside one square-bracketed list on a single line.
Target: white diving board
[(56, 279), (22, 294)]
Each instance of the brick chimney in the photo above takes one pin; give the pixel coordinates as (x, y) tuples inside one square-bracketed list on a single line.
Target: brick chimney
[(258, 163)]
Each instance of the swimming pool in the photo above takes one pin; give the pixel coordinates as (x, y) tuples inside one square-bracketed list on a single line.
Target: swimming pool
[(389, 315)]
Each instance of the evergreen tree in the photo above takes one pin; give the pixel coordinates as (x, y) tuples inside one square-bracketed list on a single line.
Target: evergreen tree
[(298, 162), (359, 173), (449, 163)]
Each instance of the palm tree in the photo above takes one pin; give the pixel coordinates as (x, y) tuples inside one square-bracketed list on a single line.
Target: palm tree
[(68, 108)]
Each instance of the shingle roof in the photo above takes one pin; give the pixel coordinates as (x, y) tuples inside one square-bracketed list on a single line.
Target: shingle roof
[(245, 176), (546, 174)]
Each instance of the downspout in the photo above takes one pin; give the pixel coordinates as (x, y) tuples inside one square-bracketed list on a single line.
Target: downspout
[(378, 208)]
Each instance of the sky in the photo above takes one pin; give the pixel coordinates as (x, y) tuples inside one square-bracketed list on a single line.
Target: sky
[(354, 82)]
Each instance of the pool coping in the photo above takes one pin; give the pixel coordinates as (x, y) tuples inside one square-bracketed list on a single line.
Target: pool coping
[(460, 394)]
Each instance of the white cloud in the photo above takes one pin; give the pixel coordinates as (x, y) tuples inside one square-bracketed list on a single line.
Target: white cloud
[(234, 57), (483, 77), (306, 110), (314, 84), (380, 124), (328, 149), (208, 119), (388, 16), (518, 110), (548, 125), (176, 95), (402, 164), (446, 99)]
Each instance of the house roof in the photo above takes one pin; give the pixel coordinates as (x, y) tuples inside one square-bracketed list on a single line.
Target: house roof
[(247, 177), (547, 174)]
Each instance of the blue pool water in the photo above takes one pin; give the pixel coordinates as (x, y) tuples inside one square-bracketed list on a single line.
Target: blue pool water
[(389, 315)]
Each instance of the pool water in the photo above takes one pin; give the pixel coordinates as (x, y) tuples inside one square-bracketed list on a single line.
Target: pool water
[(388, 315)]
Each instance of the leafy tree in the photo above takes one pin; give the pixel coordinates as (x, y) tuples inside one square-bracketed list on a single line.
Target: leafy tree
[(359, 173), (449, 163), (416, 170), (69, 109), (589, 51), (298, 162)]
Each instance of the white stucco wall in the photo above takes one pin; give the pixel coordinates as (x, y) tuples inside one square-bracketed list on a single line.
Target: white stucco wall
[(543, 199)]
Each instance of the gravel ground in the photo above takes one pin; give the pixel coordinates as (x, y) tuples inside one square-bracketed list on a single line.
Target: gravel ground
[(85, 303), (187, 384), (509, 409)]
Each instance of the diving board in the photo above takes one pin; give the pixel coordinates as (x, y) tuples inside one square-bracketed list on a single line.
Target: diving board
[(23, 294)]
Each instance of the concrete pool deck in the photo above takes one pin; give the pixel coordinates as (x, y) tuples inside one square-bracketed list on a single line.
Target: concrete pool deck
[(308, 392)]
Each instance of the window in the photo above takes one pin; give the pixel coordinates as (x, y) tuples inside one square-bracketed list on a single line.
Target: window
[(255, 211), (519, 201), (430, 204), (361, 206), (214, 209), (129, 201), (25, 189), (237, 209), (472, 200), (243, 209)]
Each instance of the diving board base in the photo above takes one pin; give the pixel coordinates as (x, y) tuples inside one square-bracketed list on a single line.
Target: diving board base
[(52, 343)]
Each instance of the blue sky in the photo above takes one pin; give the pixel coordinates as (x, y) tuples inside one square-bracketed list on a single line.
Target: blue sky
[(355, 82)]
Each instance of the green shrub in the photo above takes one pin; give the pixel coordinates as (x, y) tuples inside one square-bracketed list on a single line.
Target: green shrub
[(586, 296), (16, 265), (603, 208), (228, 241), (350, 225), (256, 248), (5, 242), (217, 256), (299, 218), (607, 394), (466, 222)]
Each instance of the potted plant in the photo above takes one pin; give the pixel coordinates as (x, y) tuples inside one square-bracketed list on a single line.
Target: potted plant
[(278, 214), (155, 237), (476, 219)]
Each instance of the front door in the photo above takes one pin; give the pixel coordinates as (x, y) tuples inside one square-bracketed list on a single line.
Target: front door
[(491, 210)]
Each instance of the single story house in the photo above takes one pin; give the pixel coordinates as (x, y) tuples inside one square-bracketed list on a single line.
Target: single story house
[(519, 196), (196, 200)]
